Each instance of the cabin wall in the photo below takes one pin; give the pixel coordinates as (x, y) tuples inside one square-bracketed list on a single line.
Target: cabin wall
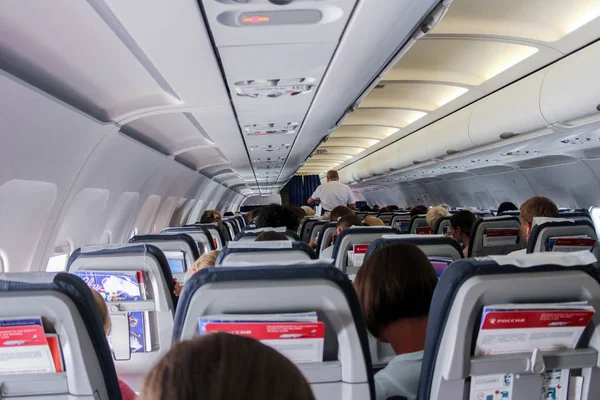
[(573, 185), (67, 180)]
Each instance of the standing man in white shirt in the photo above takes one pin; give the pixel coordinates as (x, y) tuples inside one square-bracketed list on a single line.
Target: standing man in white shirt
[(333, 194)]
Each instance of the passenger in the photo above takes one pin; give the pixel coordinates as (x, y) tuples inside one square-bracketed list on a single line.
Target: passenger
[(210, 217), (435, 214), (269, 236), (365, 209), (229, 214), (300, 213), (308, 211), (345, 222), (220, 366), (275, 216), (339, 212), (418, 210), (375, 207), (395, 286), (373, 221), (461, 225), (506, 206), (126, 392), (534, 207), (333, 193), (206, 260)]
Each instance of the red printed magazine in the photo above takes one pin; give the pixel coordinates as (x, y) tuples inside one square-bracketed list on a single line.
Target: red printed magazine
[(500, 237), (24, 349), (301, 342)]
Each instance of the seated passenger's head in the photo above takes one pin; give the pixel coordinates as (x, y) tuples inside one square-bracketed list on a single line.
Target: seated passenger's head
[(103, 308), (225, 367), (208, 259), (308, 211), (373, 221), (210, 216), (275, 216), (299, 211), (365, 209), (338, 212), (269, 236), (461, 224), (535, 207), (229, 214), (434, 214), (395, 286), (332, 175), (348, 221), (506, 206), (418, 210)]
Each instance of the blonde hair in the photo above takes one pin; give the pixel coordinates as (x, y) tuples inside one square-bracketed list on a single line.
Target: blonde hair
[(373, 221), (434, 214), (224, 366), (102, 307), (309, 211), (208, 259)]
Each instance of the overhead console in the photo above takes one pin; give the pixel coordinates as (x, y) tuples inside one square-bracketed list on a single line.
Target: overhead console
[(274, 54)]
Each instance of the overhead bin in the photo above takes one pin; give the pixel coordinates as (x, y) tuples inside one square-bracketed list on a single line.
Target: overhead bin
[(570, 93), (509, 112), (445, 137), (250, 22)]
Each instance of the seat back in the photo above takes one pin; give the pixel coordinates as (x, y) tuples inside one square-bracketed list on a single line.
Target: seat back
[(576, 215), (419, 226), (495, 236), (442, 226), (545, 230), (231, 227), (305, 228), (401, 222), (386, 217), (455, 319), (357, 240), (97, 263), (270, 252), (326, 236), (345, 372), (204, 240), (67, 310), (180, 249), (215, 232), (251, 235), (317, 229)]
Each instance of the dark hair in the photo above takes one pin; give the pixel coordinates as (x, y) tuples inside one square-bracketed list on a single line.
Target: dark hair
[(268, 236), (397, 281), (538, 207), (224, 366), (229, 214), (339, 212), (349, 220), (464, 220), (274, 216), (506, 206), (365, 209), (299, 212), (418, 210), (210, 216)]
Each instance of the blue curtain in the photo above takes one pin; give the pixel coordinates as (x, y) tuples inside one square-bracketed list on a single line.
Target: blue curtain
[(301, 187), (311, 183)]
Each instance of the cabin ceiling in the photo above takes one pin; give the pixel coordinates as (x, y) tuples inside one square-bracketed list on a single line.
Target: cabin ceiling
[(229, 88), (477, 48)]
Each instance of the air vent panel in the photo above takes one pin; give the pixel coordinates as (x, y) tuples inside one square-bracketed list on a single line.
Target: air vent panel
[(271, 129), (274, 88)]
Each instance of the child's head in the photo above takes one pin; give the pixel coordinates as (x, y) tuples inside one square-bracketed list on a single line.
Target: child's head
[(224, 366), (208, 259), (348, 221), (104, 315), (396, 282)]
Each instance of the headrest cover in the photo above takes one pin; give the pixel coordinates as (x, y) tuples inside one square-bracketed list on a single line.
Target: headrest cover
[(569, 259), (275, 244), (281, 229), (543, 220)]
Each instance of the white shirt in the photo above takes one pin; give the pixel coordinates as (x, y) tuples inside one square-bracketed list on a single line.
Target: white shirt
[(333, 194), (400, 377)]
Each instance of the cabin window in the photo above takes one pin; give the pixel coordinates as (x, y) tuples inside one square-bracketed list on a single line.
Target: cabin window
[(57, 263)]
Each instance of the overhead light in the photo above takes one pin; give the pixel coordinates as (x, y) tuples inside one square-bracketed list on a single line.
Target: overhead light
[(510, 59)]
